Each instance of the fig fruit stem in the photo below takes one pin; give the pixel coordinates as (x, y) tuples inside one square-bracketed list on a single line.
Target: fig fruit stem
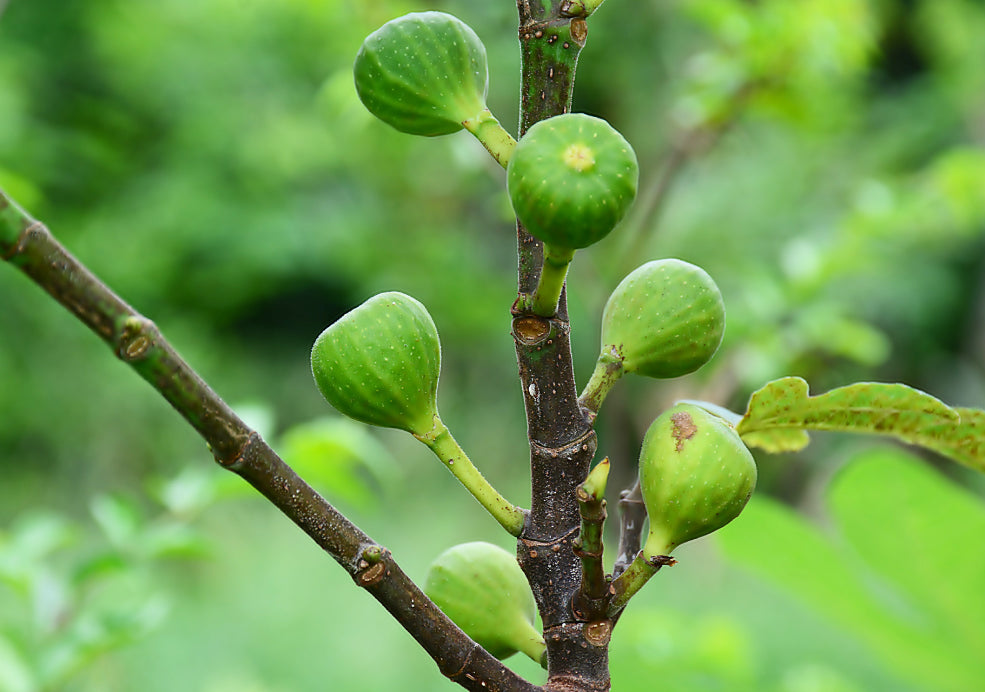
[(639, 572), (608, 369), (544, 300), (492, 135), (535, 648), (439, 439)]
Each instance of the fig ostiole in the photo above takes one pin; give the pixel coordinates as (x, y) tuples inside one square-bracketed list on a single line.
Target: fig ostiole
[(665, 319), (379, 364), (424, 73), (696, 476), (481, 588)]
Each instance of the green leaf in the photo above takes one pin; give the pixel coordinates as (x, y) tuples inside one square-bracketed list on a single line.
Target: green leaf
[(187, 493), (903, 575), (341, 458), (890, 506), (779, 413), (119, 518), (176, 541)]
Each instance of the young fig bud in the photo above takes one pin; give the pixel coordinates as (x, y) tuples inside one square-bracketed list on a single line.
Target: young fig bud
[(481, 588), (696, 475), (379, 363), (571, 179), (665, 319), (423, 73)]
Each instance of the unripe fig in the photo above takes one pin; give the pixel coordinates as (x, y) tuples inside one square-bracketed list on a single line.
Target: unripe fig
[(571, 179), (481, 588), (665, 319), (379, 363), (696, 475), (423, 73)]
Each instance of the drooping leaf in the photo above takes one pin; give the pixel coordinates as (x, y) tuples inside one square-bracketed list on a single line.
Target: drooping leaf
[(779, 414)]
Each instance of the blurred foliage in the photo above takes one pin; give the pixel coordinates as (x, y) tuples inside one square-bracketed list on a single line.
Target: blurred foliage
[(71, 591), (823, 159), (895, 570)]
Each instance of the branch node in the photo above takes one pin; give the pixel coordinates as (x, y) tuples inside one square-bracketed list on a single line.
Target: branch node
[(598, 633), (371, 575), (136, 339)]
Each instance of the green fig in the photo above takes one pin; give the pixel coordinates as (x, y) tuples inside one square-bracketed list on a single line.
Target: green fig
[(571, 179), (424, 73), (481, 588), (696, 475), (379, 364), (665, 319)]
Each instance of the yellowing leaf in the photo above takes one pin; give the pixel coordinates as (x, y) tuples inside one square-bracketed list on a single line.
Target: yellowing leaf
[(779, 413)]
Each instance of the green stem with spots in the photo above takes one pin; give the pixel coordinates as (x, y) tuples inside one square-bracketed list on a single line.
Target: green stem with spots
[(628, 584), (491, 134), (590, 601), (439, 439), (534, 647), (608, 370)]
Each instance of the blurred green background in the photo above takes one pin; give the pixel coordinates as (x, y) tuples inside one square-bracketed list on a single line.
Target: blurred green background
[(824, 160)]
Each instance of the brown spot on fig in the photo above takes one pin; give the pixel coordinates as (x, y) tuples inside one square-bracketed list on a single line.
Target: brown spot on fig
[(684, 428)]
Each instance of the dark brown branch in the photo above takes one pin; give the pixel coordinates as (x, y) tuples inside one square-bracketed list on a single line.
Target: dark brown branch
[(138, 342), (562, 442)]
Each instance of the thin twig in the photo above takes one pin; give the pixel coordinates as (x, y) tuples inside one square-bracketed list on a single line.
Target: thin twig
[(590, 603), (138, 342)]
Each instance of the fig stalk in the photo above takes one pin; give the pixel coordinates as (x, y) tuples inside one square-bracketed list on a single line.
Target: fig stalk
[(608, 370), (492, 135), (439, 439), (639, 572), (543, 301)]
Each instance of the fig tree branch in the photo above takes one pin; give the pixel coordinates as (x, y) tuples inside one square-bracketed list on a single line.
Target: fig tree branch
[(137, 341), (562, 442)]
